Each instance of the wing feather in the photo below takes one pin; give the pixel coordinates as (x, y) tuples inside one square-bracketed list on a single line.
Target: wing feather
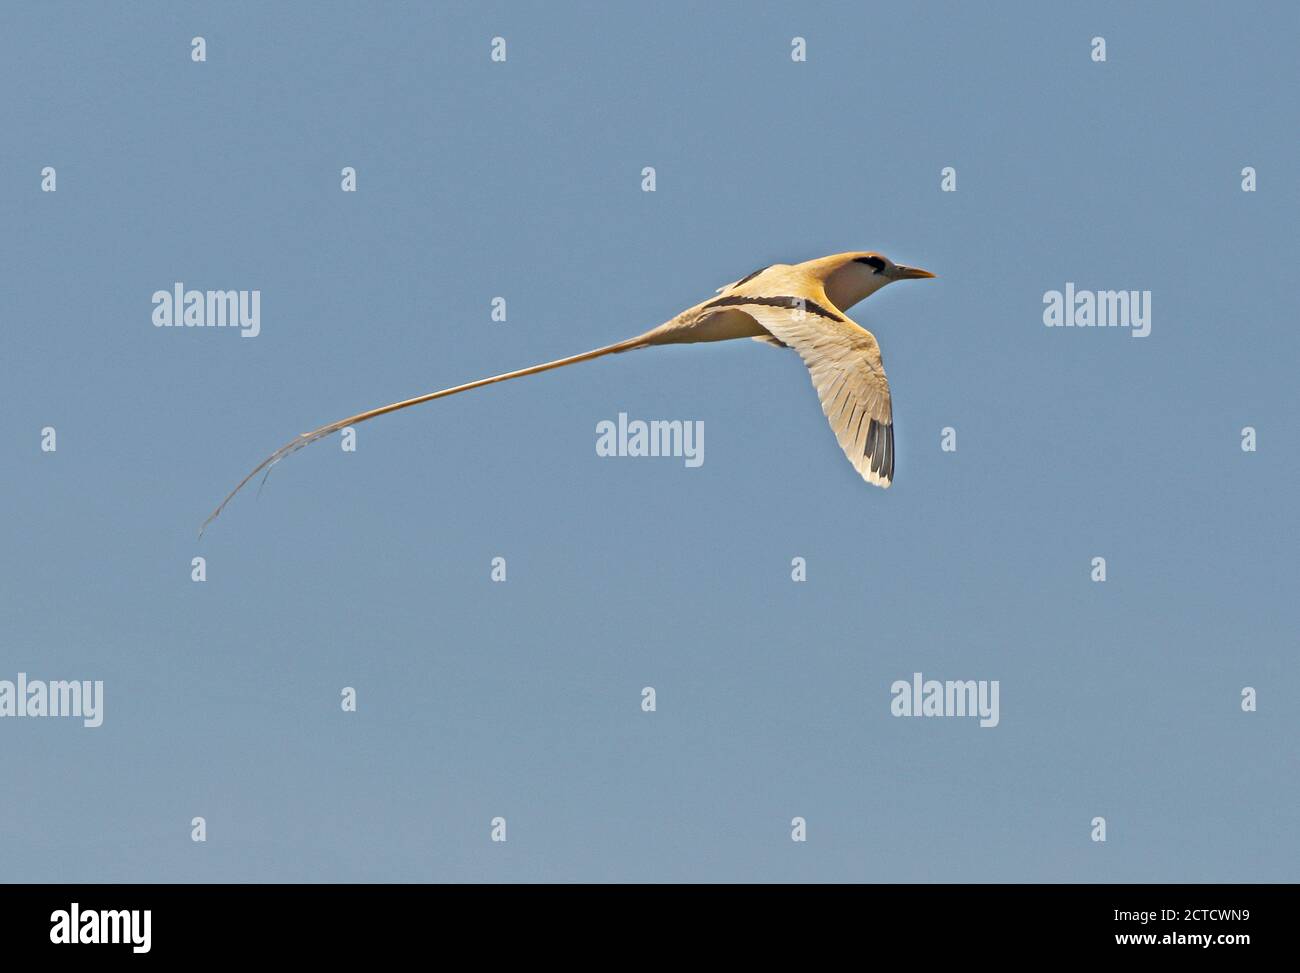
[(844, 363)]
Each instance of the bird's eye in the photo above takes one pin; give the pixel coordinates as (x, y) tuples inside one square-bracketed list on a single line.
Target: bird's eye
[(876, 262)]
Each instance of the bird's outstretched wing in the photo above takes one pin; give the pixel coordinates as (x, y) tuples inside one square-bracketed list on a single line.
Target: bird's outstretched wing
[(844, 362)]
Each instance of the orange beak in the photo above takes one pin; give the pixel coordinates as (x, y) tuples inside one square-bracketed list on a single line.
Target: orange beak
[(911, 273)]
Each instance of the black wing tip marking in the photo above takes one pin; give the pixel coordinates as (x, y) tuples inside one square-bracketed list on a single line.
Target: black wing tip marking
[(879, 448)]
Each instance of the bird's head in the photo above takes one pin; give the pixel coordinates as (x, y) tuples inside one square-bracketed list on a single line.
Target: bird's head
[(850, 277)]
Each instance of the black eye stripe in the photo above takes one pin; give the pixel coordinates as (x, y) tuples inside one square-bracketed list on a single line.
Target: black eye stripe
[(875, 262)]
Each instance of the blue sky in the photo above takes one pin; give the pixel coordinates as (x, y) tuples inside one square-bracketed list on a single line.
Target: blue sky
[(522, 699)]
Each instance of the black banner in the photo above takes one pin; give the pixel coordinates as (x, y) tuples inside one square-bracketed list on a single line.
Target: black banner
[(143, 923)]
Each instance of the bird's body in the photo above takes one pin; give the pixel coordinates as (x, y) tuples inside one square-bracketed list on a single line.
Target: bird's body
[(799, 306)]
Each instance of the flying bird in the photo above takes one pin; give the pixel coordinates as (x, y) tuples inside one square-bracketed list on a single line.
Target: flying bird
[(799, 306)]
